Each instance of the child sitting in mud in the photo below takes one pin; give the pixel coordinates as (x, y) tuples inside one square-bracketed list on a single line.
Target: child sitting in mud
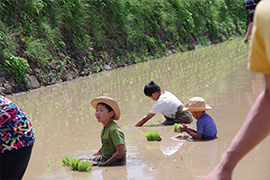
[(167, 104), (206, 126), (113, 149)]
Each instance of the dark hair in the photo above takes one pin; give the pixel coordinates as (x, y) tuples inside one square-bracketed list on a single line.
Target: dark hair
[(250, 6), (106, 106), (151, 88)]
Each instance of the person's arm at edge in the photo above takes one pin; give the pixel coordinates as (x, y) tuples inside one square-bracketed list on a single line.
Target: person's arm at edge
[(120, 152), (144, 119), (250, 24), (244, 141)]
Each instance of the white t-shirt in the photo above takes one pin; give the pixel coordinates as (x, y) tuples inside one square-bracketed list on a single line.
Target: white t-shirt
[(167, 105)]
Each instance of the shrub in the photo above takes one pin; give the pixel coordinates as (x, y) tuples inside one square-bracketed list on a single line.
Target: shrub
[(18, 66)]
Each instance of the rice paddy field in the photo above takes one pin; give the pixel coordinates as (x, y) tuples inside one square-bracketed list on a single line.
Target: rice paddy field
[(65, 124)]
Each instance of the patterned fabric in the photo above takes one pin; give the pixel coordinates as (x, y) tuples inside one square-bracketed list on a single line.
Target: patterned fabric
[(16, 129)]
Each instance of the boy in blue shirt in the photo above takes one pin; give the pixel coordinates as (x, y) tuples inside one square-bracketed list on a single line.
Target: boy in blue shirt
[(206, 126)]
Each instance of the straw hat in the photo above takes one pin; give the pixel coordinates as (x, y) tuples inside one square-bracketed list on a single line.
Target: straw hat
[(196, 104), (110, 102)]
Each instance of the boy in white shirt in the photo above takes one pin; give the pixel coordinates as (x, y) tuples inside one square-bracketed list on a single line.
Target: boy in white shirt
[(167, 104)]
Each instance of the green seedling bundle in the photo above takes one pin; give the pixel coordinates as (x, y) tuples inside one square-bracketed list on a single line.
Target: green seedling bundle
[(176, 126), (76, 164), (153, 136)]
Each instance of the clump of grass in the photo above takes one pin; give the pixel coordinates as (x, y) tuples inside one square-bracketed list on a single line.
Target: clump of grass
[(176, 127), (153, 136), (76, 164)]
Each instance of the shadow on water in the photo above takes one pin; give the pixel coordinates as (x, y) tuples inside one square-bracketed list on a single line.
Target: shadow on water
[(65, 124)]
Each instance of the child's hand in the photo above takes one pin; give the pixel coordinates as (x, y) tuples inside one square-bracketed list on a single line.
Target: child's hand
[(183, 128)]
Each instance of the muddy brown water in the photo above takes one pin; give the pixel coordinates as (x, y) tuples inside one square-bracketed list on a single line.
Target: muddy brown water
[(65, 124)]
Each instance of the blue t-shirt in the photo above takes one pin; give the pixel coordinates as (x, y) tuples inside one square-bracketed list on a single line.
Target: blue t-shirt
[(207, 127)]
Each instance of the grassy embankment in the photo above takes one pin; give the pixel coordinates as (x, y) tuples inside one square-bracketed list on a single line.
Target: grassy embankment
[(52, 37)]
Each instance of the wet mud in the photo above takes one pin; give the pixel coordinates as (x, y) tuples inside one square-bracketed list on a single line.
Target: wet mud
[(65, 124)]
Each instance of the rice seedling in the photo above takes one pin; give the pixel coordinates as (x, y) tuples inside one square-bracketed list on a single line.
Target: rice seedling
[(153, 136), (67, 160), (176, 126), (76, 164), (84, 166)]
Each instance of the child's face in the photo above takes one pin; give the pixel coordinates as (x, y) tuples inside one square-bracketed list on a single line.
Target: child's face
[(102, 114)]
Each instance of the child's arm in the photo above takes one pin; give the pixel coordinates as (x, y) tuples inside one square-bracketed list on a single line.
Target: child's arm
[(97, 153), (194, 133), (120, 152), (144, 119), (190, 131)]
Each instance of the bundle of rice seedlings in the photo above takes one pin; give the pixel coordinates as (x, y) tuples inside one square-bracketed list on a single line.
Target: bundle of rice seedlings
[(76, 164), (84, 166), (153, 136), (176, 126), (66, 160)]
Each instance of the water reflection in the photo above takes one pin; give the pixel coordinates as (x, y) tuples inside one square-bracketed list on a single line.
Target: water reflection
[(65, 124)]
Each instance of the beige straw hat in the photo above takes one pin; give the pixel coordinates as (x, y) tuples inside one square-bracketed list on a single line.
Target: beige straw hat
[(196, 104), (110, 102)]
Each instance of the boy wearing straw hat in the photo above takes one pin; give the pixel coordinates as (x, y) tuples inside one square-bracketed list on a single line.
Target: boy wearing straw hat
[(113, 149), (206, 126)]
